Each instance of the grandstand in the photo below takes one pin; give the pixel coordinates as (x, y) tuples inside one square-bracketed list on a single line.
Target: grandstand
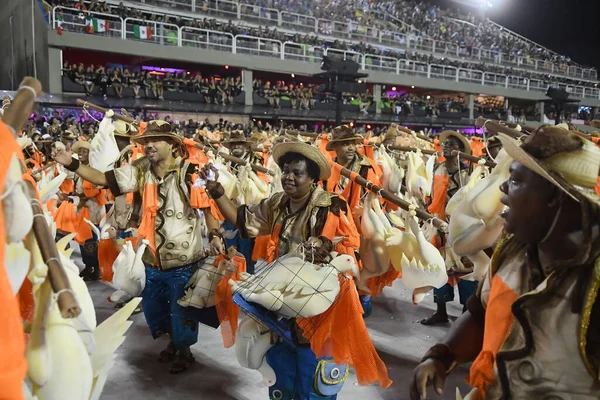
[(427, 52)]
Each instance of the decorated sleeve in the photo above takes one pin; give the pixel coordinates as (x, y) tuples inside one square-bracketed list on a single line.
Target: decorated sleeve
[(122, 180), (255, 220)]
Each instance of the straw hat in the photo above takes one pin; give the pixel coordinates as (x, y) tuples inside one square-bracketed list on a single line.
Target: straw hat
[(158, 129), (124, 129), (560, 156), (308, 151), (446, 134), (342, 133), (81, 144), (492, 142), (236, 136), (392, 132), (69, 135)]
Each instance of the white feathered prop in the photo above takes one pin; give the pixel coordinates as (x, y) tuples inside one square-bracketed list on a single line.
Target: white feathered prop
[(104, 151)]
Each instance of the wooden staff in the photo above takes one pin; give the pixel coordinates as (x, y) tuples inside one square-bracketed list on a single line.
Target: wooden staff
[(407, 148), (226, 157), (472, 158), (67, 304), (410, 132), (301, 133), (37, 171), (496, 126), (392, 198)]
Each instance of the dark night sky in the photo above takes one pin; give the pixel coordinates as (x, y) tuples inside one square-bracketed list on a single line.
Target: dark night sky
[(569, 27)]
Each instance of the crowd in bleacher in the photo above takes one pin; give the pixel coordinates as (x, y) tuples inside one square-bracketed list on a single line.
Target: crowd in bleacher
[(447, 25)]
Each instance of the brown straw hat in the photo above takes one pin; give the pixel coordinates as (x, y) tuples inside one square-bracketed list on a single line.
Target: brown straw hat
[(562, 157), (343, 133), (446, 134), (81, 144), (158, 129), (308, 151), (236, 136)]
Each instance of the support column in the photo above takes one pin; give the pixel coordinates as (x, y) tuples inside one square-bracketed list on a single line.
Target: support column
[(247, 83), (540, 108), (377, 98), (54, 70), (505, 104), (471, 103)]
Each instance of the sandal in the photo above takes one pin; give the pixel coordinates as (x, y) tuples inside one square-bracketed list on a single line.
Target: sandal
[(435, 319), (182, 363), (167, 354)]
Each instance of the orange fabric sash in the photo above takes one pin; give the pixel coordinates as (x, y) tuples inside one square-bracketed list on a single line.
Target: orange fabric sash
[(227, 311), (477, 147), (260, 247), (65, 217), (341, 332), (439, 192), (330, 155), (197, 156), (498, 322), (598, 186), (13, 367), (68, 186), (84, 230), (150, 208)]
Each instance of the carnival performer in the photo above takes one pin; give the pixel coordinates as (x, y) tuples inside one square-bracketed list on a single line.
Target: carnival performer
[(449, 177), (533, 328), (239, 146), (171, 225), (13, 367), (344, 143), (304, 212)]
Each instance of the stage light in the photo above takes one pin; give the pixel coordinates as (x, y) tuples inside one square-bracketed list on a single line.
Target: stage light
[(351, 124), (227, 67), (428, 97), (412, 87), (368, 126), (359, 81), (394, 88), (293, 76)]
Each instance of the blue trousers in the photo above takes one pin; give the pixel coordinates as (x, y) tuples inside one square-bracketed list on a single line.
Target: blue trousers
[(159, 301), (446, 293), (244, 246), (295, 369)]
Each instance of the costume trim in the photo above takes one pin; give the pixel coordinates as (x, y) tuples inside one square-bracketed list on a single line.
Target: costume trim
[(590, 301)]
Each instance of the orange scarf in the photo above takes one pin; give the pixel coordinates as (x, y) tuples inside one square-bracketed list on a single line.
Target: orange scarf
[(13, 367), (150, 208), (227, 310), (477, 146), (498, 322), (439, 193)]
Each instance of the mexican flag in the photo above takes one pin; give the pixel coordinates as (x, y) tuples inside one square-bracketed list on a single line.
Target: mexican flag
[(59, 28), (142, 32), (96, 25)]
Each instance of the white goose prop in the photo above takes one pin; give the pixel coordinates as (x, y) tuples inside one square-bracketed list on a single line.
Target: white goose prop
[(69, 358), (293, 287), (129, 271), (392, 173), (104, 151), (252, 341), (475, 224), (421, 263), (419, 175)]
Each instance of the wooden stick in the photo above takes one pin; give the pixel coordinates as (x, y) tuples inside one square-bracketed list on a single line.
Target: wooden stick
[(472, 158), (37, 171), (67, 304), (102, 110), (410, 132), (407, 148), (392, 198), (496, 126)]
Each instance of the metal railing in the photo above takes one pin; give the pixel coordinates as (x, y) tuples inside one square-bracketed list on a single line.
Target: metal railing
[(72, 20), (229, 9)]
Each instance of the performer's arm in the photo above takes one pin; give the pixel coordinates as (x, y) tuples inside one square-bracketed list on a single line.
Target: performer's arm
[(227, 208), (86, 172), (18, 112)]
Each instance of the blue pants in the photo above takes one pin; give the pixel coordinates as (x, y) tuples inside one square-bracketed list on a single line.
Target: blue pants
[(159, 301), (244, 246), (446, 293), (295, 368)]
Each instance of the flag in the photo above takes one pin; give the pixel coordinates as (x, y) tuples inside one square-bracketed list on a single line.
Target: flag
[(59, 28), (96, 25), (142, 32)]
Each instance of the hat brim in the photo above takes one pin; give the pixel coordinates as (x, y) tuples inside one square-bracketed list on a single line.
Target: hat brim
[(80, 145), (331, 143), (132, 132), (307, 150), (228, 143), (514, 150), (446, 134), (145, 137)]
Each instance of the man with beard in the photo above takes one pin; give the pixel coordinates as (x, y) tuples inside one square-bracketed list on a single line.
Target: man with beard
[(170, 223), (533, 328), (449, 177)]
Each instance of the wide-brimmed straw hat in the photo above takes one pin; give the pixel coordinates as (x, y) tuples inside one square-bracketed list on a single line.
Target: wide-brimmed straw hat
[(492, 142), (81, 144), (562, 157), (392, 132), (124, 129), (308, 151), (158, 129), (343, 133), (236, 136), (465, 142), (69, 135)]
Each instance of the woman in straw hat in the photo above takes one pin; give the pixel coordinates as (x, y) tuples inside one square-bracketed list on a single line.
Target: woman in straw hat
[(533, 328), (305, 213), (170, 223), (448, 177)]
